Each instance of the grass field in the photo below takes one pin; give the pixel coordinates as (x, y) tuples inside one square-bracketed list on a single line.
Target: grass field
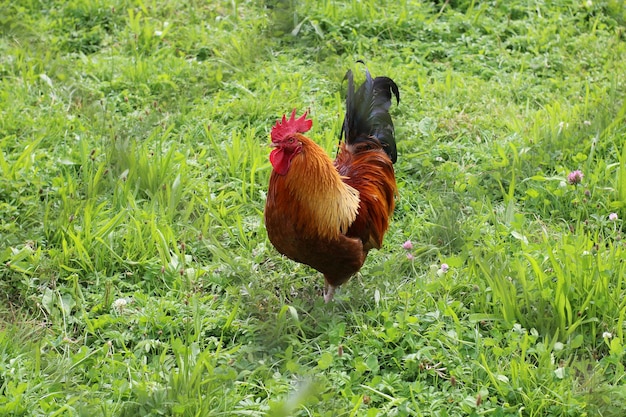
[(136, 278)]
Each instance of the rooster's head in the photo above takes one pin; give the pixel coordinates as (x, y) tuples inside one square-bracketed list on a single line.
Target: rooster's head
[(285, 140)]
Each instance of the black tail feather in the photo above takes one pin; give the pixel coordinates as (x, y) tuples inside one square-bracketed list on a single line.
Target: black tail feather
[(367, 112)]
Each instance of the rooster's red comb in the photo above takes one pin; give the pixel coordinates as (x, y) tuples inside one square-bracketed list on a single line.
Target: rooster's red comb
[(286, 127)]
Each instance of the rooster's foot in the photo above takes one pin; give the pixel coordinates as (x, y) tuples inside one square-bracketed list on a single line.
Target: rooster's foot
[(329, 292)]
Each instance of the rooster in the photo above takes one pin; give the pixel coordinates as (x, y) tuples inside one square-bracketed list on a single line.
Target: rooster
[(326, 214)]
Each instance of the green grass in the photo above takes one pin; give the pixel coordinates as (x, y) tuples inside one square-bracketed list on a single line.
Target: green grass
[(136, 277)]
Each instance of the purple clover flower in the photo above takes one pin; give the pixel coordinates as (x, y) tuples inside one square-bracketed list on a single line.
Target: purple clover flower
[(575, 177)]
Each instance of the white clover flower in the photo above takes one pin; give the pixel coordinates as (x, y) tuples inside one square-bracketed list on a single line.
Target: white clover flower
[(120, 304)]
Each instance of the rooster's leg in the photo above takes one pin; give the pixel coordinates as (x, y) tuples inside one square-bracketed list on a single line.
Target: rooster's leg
[(329, 291)]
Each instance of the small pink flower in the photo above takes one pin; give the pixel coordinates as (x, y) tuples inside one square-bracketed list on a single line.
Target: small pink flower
[(444, 267), (410, 256), (575, 177), (613, 217), (408, 245)]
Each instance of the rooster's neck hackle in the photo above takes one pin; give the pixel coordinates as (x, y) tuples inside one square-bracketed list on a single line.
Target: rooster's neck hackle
[(329, 205)]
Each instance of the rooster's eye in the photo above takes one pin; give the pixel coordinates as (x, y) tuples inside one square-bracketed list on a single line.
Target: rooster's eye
[(290, 140)]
